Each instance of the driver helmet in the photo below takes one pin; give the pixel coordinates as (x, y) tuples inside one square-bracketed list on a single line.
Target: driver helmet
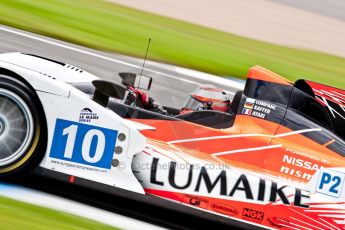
[(206, 97)]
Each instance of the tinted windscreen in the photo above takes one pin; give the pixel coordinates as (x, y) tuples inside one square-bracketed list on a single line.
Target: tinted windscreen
[(307, 106), (294, 120), (272, 92)]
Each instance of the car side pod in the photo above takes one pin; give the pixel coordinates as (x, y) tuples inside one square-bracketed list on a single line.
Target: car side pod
[(328, 185), (83, 137), (89, 141)]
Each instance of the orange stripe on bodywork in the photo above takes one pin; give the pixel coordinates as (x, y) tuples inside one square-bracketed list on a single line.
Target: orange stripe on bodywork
[(328, 143), (287, 161), (260, 73)]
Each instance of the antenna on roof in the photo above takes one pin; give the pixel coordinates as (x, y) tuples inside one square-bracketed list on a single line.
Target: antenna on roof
[(142, 68)]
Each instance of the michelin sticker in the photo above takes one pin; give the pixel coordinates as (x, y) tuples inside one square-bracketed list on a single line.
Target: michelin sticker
[(330, 183), (257, 108)]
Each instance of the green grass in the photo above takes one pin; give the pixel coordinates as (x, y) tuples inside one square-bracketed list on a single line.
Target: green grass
[(111, 27), (18, 215)]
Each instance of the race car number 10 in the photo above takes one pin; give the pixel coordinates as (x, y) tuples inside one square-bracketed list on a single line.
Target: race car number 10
[(83, 143), (71, 132)]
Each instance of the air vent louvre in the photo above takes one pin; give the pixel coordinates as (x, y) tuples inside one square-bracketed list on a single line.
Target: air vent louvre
[(73, 68)]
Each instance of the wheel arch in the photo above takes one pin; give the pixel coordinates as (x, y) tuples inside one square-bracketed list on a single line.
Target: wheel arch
[(16, 76), (13, 76)]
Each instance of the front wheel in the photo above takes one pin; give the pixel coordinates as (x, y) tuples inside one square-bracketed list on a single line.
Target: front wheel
[(21, 126)]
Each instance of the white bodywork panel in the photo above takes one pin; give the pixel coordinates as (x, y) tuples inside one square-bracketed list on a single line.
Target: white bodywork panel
[(61, 72), (82, 135)]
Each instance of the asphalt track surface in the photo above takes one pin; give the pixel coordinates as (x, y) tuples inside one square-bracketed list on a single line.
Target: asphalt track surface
[(170, 87)]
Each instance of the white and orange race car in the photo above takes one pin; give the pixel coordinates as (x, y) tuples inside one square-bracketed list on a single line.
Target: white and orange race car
[(275, 159)]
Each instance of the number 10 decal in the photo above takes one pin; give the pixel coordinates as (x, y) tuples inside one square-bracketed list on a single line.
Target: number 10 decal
[(83, 143)]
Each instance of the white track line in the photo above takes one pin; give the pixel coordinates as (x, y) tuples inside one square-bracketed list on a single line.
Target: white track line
[(226, 82), (238, 84), (90, 53), (72, 207)]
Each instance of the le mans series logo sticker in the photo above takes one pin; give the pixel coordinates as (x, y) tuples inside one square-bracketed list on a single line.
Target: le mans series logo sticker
[(86, 115), (257, 108)]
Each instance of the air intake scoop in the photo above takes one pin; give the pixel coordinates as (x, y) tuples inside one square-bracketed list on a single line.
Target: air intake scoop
[(106, 89)]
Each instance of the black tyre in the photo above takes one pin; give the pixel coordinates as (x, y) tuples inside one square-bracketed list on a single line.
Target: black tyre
[(22, 127)]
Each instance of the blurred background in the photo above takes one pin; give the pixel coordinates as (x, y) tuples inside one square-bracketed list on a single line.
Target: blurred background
[(295, 38)]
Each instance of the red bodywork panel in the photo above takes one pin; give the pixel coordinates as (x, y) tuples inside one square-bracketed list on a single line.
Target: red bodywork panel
[(260, 142)]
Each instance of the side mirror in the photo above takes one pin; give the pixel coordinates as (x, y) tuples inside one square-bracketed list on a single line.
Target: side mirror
[(136, 80), (143, 82)]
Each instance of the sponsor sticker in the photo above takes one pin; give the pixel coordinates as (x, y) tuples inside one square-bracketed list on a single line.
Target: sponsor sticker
[(225, 209), (249, 103), (307, 155), (253, 215), (86, 115), (216, 183), (257, 108), (299, 167), (278, 222), (330, 183), (247, 111), (196, 201), (83, 144)]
